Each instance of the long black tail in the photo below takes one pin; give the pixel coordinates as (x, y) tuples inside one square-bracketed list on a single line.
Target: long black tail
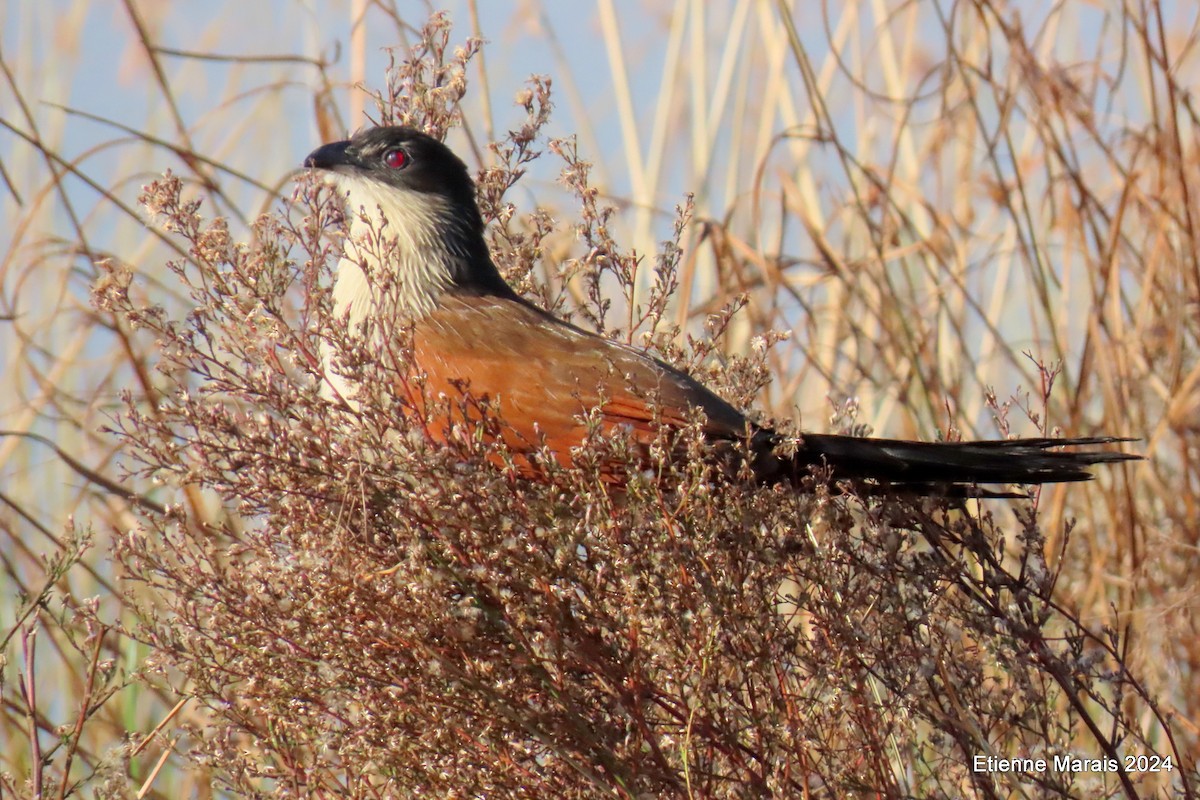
[(951, 467)]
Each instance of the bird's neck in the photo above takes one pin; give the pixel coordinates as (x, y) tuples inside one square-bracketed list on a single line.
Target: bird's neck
[(405, 250)]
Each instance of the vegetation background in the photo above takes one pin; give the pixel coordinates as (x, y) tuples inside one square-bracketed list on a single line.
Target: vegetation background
[(969, 218)]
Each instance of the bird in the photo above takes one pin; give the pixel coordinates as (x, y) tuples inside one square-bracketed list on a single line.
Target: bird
[(412, 214)]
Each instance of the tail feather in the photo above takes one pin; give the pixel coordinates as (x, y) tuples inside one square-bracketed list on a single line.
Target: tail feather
[(955, 464)]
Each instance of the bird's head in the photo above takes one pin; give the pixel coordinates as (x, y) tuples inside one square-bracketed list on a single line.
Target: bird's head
[(401, 159), (403, 185)]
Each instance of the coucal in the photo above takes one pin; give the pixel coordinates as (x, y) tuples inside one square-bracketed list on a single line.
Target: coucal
[(411, 211)]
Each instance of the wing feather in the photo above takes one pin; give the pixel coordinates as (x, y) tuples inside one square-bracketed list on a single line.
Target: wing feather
[(545, 374)]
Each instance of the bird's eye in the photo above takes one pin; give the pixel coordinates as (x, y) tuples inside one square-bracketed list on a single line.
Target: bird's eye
[(395, 159)]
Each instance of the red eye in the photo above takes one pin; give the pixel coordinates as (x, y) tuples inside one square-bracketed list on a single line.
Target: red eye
[(395, 159)]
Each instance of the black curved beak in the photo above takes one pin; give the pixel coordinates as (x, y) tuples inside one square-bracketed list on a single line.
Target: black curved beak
[(329, 156)]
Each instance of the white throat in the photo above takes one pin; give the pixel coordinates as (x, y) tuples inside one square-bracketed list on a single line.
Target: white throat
[(406, 242), (401, 236)]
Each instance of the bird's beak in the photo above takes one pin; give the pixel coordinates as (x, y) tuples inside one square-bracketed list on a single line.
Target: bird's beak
[(329, 156)]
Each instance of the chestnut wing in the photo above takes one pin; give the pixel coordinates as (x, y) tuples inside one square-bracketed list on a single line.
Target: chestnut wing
[(544, 374)]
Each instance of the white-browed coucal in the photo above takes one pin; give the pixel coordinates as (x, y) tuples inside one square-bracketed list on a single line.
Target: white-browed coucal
[(412, 212)]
